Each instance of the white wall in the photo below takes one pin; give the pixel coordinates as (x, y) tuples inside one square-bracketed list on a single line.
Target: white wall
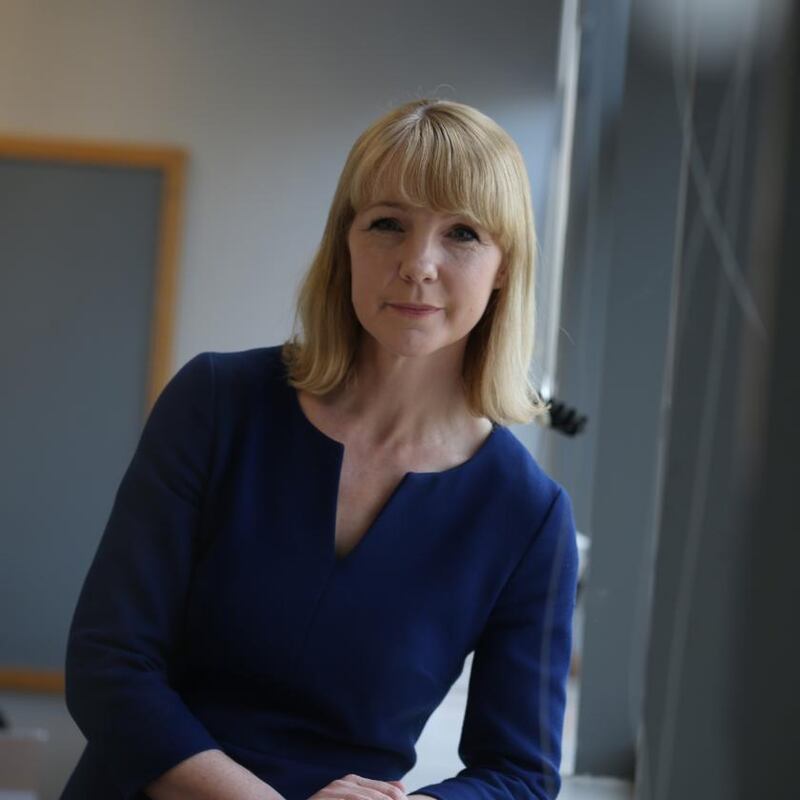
[(267, 97)]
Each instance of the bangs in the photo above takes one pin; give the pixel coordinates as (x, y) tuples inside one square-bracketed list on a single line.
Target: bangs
[(441, 165)]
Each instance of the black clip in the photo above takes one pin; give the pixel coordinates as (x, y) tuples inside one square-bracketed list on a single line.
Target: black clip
[(564, 418)]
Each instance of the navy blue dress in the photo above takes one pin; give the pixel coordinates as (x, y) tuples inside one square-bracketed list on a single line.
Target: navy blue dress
[(217, 614)]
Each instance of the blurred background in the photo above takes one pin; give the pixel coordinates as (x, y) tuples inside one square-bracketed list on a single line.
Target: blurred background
[(165, 173)]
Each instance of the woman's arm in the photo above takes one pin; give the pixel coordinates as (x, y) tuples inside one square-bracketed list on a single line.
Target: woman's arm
[(127, 624), (210, 775), (511, 736)]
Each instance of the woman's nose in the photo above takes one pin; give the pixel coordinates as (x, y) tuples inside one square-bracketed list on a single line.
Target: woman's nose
[(419, 257)]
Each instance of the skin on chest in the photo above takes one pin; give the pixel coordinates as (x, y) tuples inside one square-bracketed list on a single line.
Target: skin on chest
[(369, 477), (365, 486)]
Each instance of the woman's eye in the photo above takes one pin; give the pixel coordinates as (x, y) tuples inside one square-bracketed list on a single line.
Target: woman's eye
[(463, 233), (385, 224)]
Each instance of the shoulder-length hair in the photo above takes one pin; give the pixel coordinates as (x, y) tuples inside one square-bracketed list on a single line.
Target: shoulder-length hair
[(452, 158)]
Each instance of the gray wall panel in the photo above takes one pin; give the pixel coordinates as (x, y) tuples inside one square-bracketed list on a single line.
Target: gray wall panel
[(77, 251)]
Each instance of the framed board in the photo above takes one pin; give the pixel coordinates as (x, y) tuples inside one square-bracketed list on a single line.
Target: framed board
[(89, 241)]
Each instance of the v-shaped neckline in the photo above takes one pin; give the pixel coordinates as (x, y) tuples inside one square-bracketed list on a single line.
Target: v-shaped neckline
[(339, 450), (376, 520)]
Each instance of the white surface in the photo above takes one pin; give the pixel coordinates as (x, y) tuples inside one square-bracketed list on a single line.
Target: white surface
[(61, 751), (591, 788), (584, 547), (437, 748), (21, 756)]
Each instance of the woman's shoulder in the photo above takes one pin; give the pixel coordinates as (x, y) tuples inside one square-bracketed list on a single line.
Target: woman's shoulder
[(254, 362), (520, 482), (244, 371), (240, 382)]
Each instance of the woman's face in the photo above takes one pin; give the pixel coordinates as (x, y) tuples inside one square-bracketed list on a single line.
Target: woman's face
[(403, 255)]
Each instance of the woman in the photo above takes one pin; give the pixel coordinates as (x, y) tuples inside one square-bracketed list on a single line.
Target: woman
[(310, 539)]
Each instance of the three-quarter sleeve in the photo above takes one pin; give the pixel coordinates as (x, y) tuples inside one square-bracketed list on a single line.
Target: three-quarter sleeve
[(128, 617), (511, 736)]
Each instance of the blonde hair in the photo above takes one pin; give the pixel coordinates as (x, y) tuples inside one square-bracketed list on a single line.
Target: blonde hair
[(449, 157)]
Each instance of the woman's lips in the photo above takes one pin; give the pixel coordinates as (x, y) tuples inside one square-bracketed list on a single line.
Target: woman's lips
[(414, 311)]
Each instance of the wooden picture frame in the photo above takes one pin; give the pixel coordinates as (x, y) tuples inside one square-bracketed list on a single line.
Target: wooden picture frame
[(170, 162)]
